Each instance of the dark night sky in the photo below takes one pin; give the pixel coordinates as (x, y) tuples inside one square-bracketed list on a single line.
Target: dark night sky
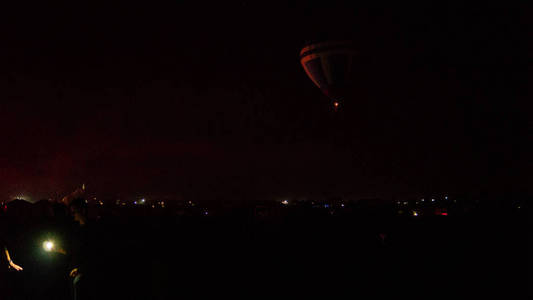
[(211, 102)]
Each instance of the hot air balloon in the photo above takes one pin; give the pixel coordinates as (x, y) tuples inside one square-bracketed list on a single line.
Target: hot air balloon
[(330, 65)]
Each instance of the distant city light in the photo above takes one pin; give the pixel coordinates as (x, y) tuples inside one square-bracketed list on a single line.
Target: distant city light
[(135, 202), (446, 197), (326, 205), (432, 200), (22, 197), (143, 200), (342, 205), (422, 200), (285, 202), (405, 203), (336, 104), (415, 213)]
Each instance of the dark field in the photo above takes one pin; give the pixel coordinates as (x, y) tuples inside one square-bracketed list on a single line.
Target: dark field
[(298, 254)]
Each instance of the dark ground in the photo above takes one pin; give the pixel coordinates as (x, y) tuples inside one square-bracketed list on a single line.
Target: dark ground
[(297, 255)]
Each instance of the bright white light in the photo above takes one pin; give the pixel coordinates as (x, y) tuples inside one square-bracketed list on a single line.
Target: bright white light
[(342, 205), (415, 213), (432, 200), (446, 197), (405, 203), (48, 246), (285, 202), (142, 200), (135, 202)]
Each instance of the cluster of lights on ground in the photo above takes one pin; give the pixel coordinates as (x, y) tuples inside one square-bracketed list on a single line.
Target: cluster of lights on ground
[(416, 212)]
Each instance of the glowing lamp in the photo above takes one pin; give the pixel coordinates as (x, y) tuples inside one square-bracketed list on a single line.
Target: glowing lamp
[(48, 246)]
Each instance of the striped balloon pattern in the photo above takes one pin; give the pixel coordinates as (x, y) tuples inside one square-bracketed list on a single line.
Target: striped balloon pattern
[(330, 66)]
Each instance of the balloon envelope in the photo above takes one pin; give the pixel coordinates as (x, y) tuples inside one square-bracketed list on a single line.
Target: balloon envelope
[(329, 65)]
